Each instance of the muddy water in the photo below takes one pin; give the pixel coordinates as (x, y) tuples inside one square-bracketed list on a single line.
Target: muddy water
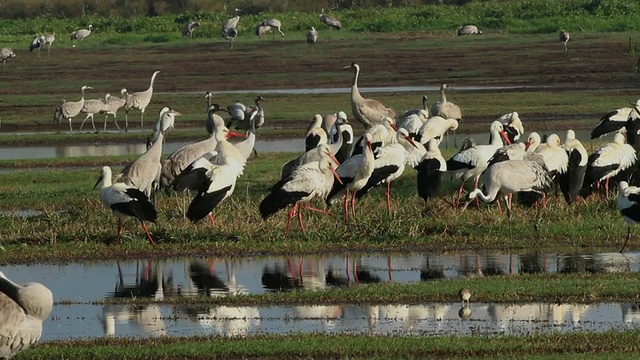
[(262, 146), (85, 283)]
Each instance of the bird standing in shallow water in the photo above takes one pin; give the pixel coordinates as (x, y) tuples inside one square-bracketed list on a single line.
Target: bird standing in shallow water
[(464, 295), (125, 200)]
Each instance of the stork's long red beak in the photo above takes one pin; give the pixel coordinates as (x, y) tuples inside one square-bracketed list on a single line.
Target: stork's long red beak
[(335, 174), (234, 134), (505, 137), (526, 145), (333, 158), (410, 140)]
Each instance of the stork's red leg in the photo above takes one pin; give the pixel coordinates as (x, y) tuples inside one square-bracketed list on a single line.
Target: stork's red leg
[(291, 214), (346, 206), (300, 221), (306, 205), (148, 234), (353, 205), (388, 197), (213, 222), (460, 192), (475, 186)]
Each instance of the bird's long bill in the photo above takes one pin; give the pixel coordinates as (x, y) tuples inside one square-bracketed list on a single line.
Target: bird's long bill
[(333, 157), (175, 113), (335, 174), (346, 67), (505, 137), (526, 145), (394, 127), (234, 134), (97, 182), (410, 140)]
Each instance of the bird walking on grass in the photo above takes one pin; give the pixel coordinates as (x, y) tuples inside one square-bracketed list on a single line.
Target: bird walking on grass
[(629, 206), (125, 200)]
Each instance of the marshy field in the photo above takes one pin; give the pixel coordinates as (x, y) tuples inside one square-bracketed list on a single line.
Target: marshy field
[(549, 283)]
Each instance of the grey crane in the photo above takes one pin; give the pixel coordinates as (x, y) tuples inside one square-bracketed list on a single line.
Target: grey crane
[(247, 117), (81, 33), (37, 43), (367, 111), (49, 39), (229, 29), (163, 123), (23, 309), (564, 39), (70, 109), (262, 30), (273, 23), (332, 22), (144, 172), (469, 30), (189, 28), (6, 54), (312, 36), (138, 100), (111, 106), (444, 108), (183, 157), (91, 107)]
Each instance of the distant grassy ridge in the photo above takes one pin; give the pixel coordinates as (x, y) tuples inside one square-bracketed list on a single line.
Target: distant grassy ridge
[(523, 16)]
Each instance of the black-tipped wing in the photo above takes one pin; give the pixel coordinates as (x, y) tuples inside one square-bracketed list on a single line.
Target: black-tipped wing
[(607, 125), (279, 199), (205, 202), (377, 177), (139, 206), (192, 179)]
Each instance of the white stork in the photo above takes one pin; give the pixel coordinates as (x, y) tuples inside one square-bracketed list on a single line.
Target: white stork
[(315, 134), (388, 165), (555, 158), (471, 162), (435, 128), (430, 171), (354, 174), (608, 161), (613, 121), (315, 154), (512, 126), (508, 177), (532, 143), (629, 206), (309, 181), (571, 181), (382, 134), (125, 200)]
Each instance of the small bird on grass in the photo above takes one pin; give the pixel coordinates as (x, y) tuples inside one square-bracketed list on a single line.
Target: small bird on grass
[(464, 295)]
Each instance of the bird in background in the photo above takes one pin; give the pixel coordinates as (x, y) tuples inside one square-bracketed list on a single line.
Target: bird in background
[(564, 39), (312, 36), (6, 54)]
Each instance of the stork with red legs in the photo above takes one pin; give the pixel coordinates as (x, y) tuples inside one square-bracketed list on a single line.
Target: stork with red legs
[(471, 162), (606, 162), (125, 200), (389, 164), (309, 181), (354, 174)]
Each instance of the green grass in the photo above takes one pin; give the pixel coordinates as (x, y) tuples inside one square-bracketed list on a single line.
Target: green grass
[(607, 345)]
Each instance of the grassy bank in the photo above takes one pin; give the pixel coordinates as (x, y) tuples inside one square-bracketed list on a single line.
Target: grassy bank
[(608, 345)]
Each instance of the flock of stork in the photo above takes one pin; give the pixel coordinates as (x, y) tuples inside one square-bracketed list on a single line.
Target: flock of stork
[(335, 165)]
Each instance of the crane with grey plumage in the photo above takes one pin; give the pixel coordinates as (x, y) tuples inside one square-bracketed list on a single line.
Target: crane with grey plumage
[(111, 106), (23, 309), (262, 30), (37, 43), (367, 111), (564, 39), (469, 30), (229, 29), (138, 100), (243, 115), (91, 107), (273, 23), (332, 22), (70, 109), (49, 39), (6, 54), (312, 36), (81, 33), (144, 173), (189, 28), (445, 108)]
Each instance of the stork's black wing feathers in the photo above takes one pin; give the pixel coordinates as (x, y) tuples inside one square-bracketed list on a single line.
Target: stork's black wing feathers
[(376, 178), (205, 202)]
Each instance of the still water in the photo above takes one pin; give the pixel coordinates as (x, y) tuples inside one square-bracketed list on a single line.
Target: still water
[(76, 288)]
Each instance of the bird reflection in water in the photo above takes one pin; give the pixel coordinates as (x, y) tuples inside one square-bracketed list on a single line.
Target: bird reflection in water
[(149, 282)]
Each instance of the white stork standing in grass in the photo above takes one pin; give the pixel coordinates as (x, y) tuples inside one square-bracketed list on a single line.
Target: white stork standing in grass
[(613, 121), (508, 177), (435, 128), (555, 158), (512, 126), (315, 134), (126, 200), (471, 162), (629, 206), (354, 174), (309, 181), (430, 171), (315, 154), (388, 165), (571, 181), (215, 181), (183, 157), (606, 162)]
